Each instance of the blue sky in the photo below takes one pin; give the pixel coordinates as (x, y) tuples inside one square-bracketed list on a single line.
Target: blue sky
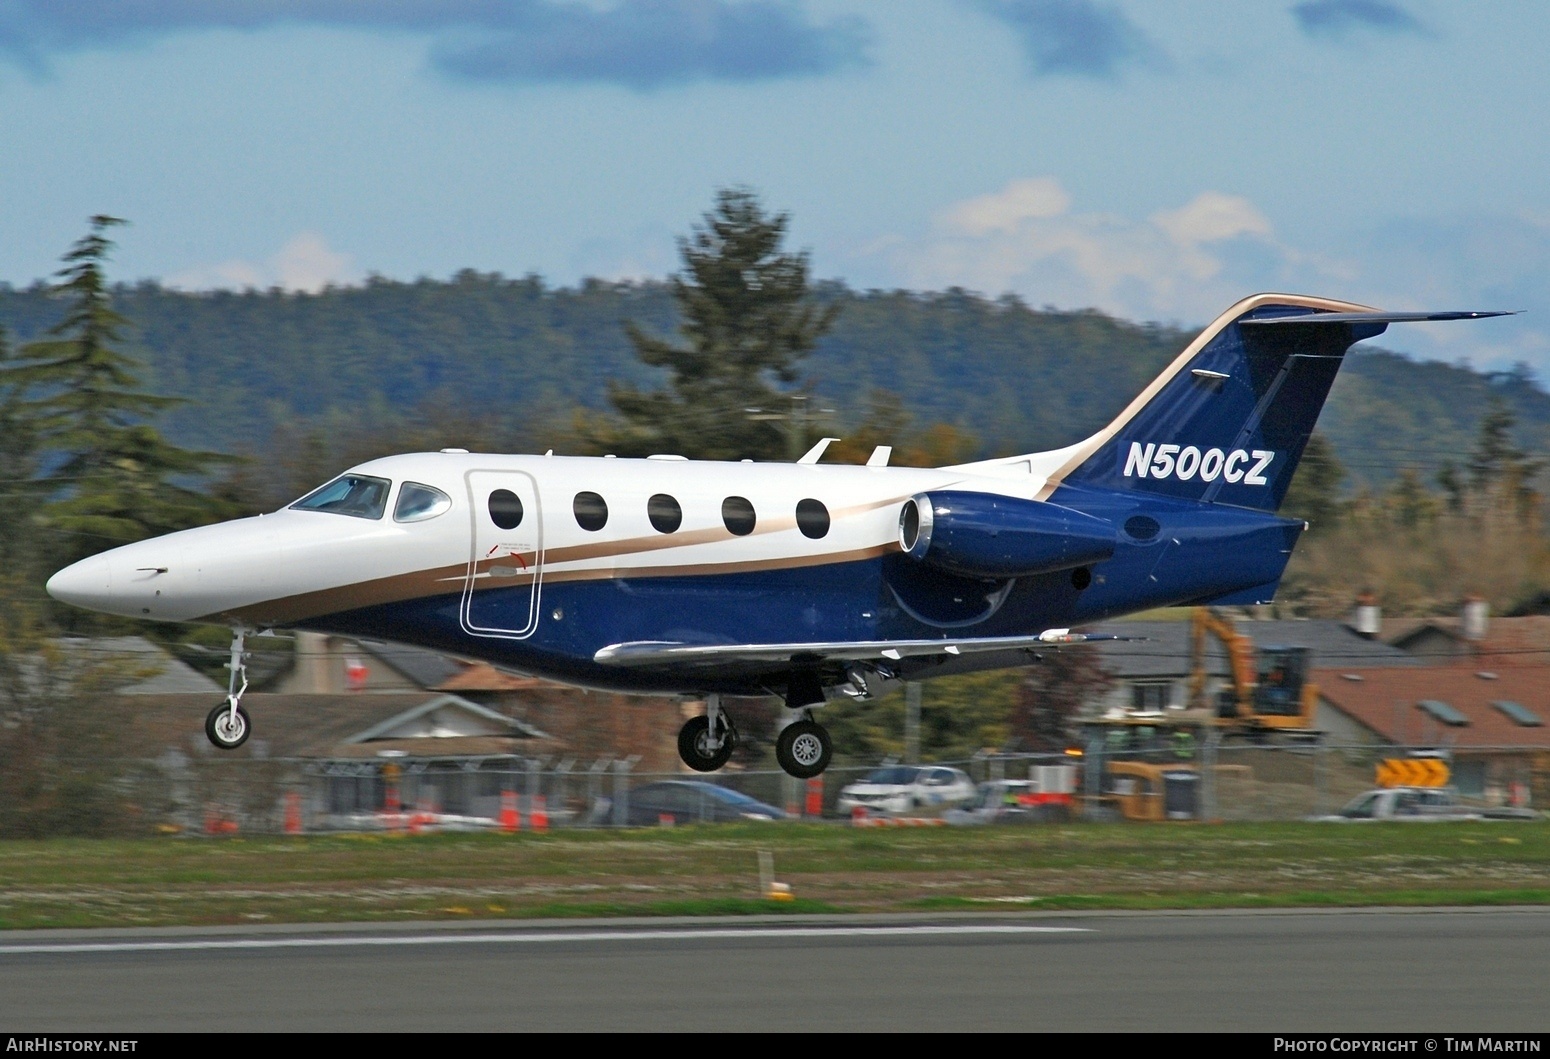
[(1154, 159)]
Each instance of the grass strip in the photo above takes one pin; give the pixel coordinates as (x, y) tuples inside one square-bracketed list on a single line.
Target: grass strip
[(713, 871)]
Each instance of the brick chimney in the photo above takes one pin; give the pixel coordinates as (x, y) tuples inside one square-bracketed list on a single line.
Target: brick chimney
[(1476, 617), (1367, 619)]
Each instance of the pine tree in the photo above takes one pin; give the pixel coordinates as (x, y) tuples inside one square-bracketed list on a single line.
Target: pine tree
[(107, 476), (1499, 471), (1314, 494), (19, 490), (747, 319)]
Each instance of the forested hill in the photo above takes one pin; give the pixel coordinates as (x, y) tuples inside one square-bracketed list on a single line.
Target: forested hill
[(260, 364)]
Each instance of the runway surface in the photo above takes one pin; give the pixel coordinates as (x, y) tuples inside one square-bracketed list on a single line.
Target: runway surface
[(1391, 970)]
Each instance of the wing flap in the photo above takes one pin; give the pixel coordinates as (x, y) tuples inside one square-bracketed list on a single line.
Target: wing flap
[(650, 653)]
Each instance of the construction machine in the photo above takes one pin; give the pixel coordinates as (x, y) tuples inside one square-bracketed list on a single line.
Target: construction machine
[(1269, 690)]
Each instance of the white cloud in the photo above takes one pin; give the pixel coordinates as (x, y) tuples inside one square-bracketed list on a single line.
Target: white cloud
[(1211, 217), (1187, 263), (1177, 264), (305, 263), (1019, 201)]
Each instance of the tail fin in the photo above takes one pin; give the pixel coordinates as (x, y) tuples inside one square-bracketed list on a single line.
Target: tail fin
[(1228, 420)]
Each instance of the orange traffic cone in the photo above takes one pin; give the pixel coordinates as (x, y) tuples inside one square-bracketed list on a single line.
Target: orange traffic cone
[(815, 797), (511, 820), (293, 813)]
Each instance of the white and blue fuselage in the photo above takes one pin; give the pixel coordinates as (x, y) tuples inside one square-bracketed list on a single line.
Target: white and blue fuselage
[(671, 575)]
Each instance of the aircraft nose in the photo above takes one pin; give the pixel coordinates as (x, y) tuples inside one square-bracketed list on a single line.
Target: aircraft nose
[(88, 583)]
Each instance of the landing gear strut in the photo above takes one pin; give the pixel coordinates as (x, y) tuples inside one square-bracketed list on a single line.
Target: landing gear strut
[(705, 743), (228, 726), (803, 748)]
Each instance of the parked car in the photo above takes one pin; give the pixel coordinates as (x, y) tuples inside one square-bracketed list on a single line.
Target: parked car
[(1421, 804), (898, 789), (1008, 802), (694, 802)]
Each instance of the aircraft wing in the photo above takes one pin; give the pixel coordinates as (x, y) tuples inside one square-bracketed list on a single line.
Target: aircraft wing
[(646, 653)]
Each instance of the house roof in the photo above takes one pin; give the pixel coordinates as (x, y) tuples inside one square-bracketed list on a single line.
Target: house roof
[(1163, 649), (313, 726), (1514, 641), (1389, 702), (447, 717), (425, 667), (159, 672), (481, 676)]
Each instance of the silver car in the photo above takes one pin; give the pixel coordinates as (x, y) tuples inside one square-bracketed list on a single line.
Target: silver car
[(899, 789)]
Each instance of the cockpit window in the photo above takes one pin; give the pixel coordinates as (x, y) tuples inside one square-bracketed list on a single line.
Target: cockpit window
[(352, 494), (417, 502)]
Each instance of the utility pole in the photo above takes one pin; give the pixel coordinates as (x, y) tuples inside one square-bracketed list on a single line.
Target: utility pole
[(796, 424), (912, 693), (795, 420)]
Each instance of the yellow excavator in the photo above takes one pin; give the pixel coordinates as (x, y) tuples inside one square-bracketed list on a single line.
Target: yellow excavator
[(1150, 766), (1269, 691)]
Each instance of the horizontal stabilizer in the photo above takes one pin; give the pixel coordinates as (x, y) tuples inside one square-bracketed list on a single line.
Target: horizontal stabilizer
[(1374, 317), (647, 653)]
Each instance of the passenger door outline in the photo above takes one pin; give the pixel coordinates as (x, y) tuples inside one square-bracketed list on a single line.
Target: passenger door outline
[(516, 554)]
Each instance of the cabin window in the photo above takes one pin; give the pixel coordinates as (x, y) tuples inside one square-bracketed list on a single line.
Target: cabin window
[(505, 509), (591, 511), (357, 495), (812, 518), (417, 502), (665, 514), (738, 515)]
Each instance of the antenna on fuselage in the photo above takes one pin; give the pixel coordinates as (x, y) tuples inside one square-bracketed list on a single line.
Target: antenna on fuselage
[(812, 455)]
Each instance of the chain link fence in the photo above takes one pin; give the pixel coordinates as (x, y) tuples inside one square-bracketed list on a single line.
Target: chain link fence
[(211, 795)]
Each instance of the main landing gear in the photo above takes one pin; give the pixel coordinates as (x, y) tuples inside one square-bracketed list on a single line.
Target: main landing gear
[(706, 743), (803, 748), (228, 726)]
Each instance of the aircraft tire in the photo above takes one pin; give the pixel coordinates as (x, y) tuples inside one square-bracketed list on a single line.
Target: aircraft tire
[(693, 749), (220, 731), (803, 749)]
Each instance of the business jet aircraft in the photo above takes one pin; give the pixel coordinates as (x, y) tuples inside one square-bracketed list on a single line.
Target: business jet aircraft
[(806, 581)]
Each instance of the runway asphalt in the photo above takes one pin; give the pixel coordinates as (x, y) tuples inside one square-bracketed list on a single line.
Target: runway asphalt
[(1405, 971)]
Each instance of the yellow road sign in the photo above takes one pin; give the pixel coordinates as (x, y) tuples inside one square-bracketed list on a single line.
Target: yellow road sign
[(1412, 772)]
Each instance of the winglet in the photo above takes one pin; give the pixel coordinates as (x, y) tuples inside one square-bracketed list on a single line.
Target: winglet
[(812, 454)]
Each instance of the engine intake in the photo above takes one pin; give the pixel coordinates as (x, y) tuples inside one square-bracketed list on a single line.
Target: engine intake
[(985, 535)]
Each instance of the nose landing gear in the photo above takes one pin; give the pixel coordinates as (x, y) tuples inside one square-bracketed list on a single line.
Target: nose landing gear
[(228, 725)]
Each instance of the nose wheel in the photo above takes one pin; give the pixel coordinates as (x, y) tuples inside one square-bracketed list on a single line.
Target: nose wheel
[(228, 725), (228, 728), (803, 749)]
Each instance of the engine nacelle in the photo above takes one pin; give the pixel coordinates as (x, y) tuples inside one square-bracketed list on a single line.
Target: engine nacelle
[(985, 535)]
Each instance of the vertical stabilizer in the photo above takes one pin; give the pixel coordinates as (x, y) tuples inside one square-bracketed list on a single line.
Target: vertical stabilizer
[(1228, 420)]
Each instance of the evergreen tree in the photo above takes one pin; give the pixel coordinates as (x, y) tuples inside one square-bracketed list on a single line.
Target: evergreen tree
[(106, 475), (19, 491), (747, 318), (1498, 469), (1314, 494)]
